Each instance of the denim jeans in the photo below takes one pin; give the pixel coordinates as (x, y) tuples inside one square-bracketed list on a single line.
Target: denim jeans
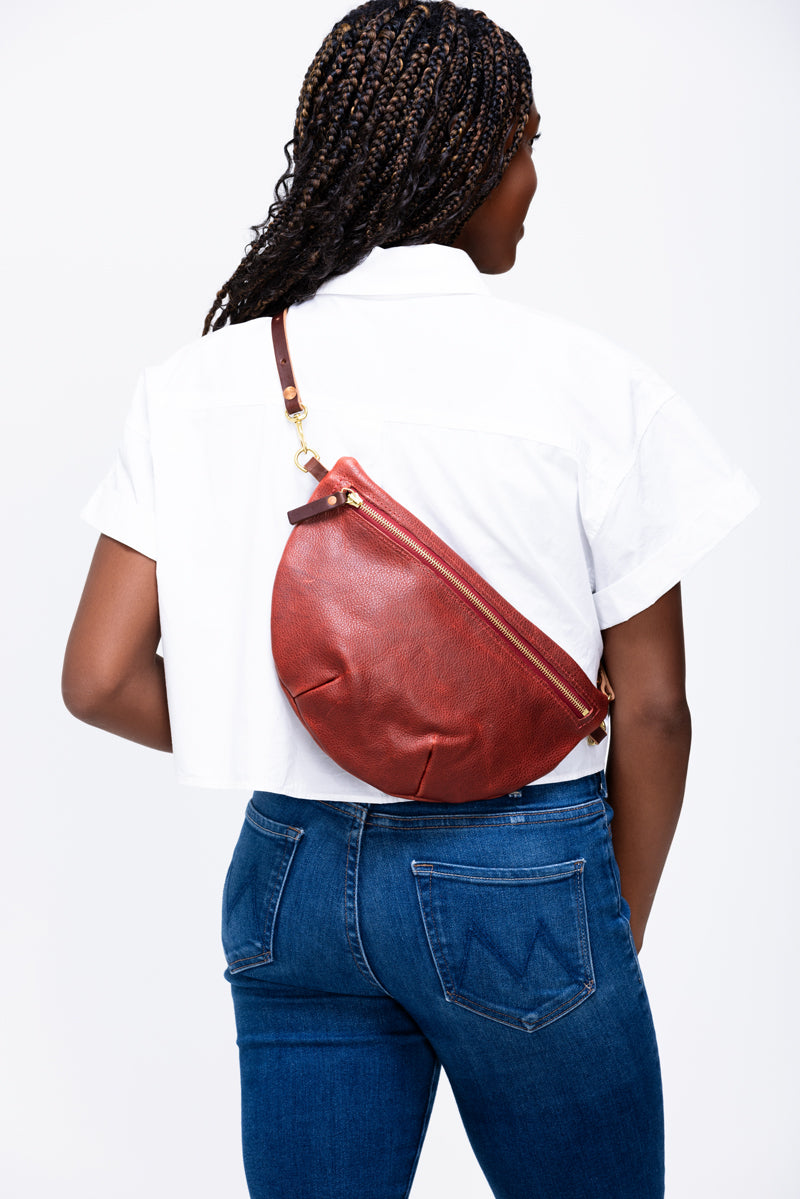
[(369, 945)]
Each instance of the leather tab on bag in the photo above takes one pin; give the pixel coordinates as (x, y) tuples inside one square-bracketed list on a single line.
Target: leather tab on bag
[(315, 468), (291, 396), (598, 735), (337, 499)]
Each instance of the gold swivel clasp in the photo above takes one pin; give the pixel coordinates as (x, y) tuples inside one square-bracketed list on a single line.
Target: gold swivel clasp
[(297, 419)]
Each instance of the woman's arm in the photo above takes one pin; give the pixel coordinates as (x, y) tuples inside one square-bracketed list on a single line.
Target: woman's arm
[(112, 676), (651, 733)]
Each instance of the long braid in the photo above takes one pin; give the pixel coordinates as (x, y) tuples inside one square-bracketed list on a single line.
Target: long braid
[(400, 134)]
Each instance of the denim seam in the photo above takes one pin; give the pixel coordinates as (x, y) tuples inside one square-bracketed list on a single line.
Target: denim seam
[(609, 847), (280, 882), (279, 876), (262, 958), (271, 832), (512, 1022), (338, 807), (482, 878), (359, 956), (385, 821), (266, 955), (610, 865), (426, 930), (448, 987), (513, 819), (423, 1129), (583, 931)]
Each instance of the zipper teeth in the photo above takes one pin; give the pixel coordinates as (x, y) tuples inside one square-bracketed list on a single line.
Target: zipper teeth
[(476, 601)]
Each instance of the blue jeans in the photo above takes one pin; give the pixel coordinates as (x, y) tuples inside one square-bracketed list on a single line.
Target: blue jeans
[(368, 945)]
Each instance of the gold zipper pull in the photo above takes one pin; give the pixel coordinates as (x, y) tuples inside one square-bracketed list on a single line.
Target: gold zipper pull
[(354, 499)]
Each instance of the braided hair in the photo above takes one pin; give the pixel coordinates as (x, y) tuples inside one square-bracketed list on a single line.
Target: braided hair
[(407, 119)]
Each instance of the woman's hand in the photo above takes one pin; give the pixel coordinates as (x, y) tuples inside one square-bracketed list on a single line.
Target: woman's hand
[(112, 676)]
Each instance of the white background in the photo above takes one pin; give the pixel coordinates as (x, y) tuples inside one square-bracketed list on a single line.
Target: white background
[(140, 143)]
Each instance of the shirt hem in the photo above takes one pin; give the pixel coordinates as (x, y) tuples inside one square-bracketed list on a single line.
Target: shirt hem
[(116, 527), (190, 780)]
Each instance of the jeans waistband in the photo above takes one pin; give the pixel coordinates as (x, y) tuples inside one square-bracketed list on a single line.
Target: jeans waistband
[(556, 794)]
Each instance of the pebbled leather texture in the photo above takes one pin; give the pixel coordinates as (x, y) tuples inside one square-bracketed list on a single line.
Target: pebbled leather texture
[(398, 678)]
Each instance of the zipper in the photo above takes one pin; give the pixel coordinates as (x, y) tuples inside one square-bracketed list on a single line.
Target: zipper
[(354, 500)]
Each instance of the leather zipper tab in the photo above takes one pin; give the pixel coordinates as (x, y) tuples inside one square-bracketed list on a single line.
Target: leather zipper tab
[(327, 503)]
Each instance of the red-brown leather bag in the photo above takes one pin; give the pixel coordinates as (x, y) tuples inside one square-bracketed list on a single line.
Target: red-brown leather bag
[(404, 664)]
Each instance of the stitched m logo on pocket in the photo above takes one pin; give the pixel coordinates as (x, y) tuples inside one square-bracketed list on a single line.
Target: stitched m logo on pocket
[(508, 943)]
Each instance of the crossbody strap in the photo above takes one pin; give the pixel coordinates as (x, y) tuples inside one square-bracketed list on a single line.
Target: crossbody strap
[(296, 412)]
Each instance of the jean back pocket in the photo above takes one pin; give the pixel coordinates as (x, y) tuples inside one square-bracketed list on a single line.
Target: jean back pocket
[(509, 943), (253, 888)]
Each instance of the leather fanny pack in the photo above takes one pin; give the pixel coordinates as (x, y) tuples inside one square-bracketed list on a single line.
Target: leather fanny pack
[(406, 667)]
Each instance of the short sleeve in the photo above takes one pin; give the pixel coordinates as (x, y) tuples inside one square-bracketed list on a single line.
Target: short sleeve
[(122, 506), (680, 496)]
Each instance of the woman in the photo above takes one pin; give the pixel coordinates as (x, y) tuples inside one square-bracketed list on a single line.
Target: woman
[(369, 940)]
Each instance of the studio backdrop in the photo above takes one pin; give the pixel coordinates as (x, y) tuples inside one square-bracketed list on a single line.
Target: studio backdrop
[(139, 144)]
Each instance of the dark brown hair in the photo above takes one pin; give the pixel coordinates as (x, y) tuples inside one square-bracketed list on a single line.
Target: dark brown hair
[(402, 130)]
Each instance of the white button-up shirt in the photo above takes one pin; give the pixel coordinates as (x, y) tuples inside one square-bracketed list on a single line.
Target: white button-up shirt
[(564, 470)]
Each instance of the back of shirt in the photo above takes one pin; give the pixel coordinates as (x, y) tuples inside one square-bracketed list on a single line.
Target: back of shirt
[(565, 471)]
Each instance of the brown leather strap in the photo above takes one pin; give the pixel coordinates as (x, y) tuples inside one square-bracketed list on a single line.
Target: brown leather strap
[(291, 396), (328, 502)]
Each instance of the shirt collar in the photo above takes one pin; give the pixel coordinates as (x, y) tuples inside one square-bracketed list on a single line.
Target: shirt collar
[(426, 270)]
